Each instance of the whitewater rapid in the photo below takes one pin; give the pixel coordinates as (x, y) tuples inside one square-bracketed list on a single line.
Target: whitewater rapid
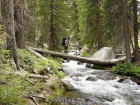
[(101, 86)]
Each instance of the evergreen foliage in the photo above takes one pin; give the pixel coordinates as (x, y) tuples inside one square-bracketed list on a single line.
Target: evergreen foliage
[(87, 18), (31, 23), (113, 21), (74, 16), (61, 20)]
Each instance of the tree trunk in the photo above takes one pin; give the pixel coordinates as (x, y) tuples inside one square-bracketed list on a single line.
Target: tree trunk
[(0, 11), (136, 53), (82, 59), (100, 45), (19, 22), (75, 18), (11, 30), (52, 36), (127, 39)]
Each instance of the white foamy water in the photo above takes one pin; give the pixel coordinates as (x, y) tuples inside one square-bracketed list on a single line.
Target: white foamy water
[(102, 86)]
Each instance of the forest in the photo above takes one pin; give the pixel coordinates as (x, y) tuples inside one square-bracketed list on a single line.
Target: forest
[(42, 24)]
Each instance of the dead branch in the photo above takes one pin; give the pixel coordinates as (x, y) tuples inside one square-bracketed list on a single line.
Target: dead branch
[(33, 98), (38, 76), (35, 53)]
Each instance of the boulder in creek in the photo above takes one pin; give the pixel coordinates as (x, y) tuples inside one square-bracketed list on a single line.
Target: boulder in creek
[(104, 54), (68, 86)]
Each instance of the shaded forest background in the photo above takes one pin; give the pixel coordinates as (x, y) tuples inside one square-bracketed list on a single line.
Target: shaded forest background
[(91, 23)]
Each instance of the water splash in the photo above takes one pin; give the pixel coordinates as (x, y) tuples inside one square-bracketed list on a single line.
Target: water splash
[(101, 85)]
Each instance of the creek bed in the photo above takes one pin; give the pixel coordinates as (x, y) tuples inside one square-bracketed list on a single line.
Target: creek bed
[(97, 87)]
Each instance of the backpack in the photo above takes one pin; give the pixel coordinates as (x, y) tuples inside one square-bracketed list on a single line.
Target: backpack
[(63, 41)]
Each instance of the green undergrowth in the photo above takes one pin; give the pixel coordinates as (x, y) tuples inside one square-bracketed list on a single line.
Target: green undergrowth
[(41, 66), (15, 89), (5, 60), (126, 69)]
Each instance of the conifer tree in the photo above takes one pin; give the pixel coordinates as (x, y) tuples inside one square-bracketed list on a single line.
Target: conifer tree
[(89, 18), (19, 6), (113, 22), (54, 18), (31, 23), (118, 24), (10, 29)]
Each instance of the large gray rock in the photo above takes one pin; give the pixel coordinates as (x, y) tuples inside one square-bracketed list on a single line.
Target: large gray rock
[(104, 54)]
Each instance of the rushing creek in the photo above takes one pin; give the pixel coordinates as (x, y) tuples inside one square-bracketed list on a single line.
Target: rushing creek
[(97, 87)]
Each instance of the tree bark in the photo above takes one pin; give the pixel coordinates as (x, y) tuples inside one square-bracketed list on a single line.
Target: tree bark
[(0, 11), (136, 53), (52, 34), (19, 22), (82, 59), (11, 30), (100, 44), (125, 23)]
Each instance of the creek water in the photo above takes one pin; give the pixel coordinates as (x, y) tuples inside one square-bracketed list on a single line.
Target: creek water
[(97, 87)]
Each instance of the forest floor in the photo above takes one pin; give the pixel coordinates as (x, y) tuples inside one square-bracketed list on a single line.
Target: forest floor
[(43, 95), (32, 91)]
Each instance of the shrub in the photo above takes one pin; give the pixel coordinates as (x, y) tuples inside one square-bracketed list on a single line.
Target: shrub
[(136, 71), (126, 69), (54, 65), (122, 68)]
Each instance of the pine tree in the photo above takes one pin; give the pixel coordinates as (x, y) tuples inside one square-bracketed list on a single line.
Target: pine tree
[(89, 18), (118, 24), (19, 6), (31, 23), (10, 29), (54, 18)]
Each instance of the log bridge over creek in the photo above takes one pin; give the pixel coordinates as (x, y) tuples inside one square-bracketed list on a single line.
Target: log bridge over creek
[(77, 58)]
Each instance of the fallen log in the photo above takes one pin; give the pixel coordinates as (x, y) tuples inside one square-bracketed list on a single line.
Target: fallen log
[(35, 53), (31, 75), (38, 76), (46, 100), (82, 59)]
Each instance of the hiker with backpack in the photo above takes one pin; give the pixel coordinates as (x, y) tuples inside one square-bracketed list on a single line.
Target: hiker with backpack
[(65, 43)]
